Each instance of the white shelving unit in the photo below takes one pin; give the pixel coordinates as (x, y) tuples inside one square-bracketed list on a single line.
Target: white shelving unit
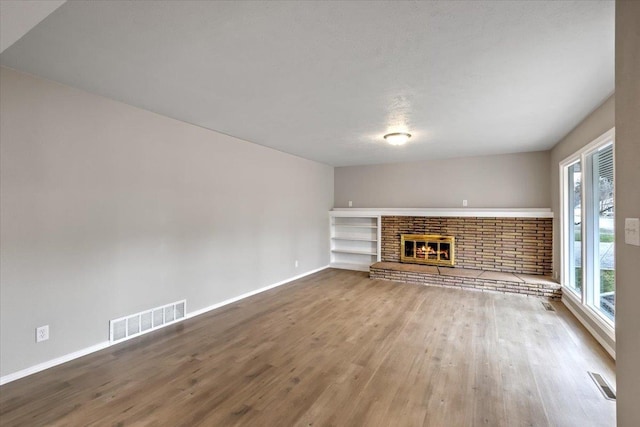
[(355, 240)]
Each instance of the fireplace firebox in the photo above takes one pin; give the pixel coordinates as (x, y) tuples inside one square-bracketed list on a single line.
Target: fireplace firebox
[(427, 249)]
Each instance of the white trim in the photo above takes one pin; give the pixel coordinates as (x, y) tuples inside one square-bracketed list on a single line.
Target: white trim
[(578, 311), (105, 344), (445, 212), (355, 239), (53, 362), (251, 293), (354, 251), (561, 270), (379, 246), (564, 242)]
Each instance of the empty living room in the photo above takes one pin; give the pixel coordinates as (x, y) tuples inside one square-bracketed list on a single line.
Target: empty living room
[(320, 213)]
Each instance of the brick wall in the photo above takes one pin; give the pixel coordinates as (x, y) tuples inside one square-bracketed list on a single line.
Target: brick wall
[(515, 245)]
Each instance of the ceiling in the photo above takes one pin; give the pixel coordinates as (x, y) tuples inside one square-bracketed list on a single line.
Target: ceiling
[(326, 80), (17, 17)]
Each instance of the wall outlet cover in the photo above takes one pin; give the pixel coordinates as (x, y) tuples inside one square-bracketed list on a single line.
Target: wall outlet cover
[(632, 231), (42, 333)]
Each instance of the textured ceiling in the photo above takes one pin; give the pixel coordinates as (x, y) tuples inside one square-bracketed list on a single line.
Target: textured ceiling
[(325, 80)]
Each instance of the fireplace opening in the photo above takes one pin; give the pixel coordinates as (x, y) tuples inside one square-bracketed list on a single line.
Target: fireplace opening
[(427, 249)]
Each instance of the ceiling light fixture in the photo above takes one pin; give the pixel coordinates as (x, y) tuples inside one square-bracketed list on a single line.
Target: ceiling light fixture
[(397, 138)]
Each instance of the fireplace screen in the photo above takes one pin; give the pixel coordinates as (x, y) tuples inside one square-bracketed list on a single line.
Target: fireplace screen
[(427, 249)]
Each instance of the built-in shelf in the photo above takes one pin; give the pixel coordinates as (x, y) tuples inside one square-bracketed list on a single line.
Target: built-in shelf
[(354, 238), (355, 226), (351, 251), (355, 241)]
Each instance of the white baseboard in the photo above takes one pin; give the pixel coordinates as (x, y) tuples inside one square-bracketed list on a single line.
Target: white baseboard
[(596, 335), (101, 346), (248, 294), (53, 362)]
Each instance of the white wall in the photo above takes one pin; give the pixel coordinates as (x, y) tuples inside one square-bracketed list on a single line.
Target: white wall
[(627, 206), (108, 210), (501, 181)]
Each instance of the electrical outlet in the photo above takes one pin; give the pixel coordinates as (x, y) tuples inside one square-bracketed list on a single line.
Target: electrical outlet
[(350, 204), (464, 202), (632, 231), (296, 263), (42, 333)]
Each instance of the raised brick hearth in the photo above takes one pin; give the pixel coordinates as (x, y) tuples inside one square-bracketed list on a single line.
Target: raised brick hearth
[(525, 284)]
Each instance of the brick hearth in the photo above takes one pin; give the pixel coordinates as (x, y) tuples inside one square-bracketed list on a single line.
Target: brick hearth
[(482, 280)]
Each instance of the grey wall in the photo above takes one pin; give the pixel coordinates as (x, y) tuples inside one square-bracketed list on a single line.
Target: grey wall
[(501, 181), (108, 210), (595, 124), (627, 205)]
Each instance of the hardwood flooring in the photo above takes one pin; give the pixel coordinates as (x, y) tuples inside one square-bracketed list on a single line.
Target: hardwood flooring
[(336, 348)]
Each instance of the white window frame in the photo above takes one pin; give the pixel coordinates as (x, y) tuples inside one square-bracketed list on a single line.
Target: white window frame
[(565, 251), (581, 301)]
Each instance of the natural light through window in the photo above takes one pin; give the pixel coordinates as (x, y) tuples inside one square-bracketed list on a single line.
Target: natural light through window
[(601, 226), (574, 222), (588, 252)]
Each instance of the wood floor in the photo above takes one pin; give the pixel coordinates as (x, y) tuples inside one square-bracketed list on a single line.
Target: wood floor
[(336, 348)]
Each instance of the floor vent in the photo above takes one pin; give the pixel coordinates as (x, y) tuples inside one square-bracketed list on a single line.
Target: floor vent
[(146, 321), (548, 306), (604, 386)]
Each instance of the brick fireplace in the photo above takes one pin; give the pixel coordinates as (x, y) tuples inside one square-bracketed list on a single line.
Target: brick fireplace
[(514, 245), (498, 254)]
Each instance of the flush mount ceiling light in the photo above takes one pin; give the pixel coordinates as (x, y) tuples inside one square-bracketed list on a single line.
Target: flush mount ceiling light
[(397, 138)]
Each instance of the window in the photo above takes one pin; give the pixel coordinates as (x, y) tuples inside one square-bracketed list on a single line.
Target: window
[(600, 224), (587, 223), (574, 221)]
